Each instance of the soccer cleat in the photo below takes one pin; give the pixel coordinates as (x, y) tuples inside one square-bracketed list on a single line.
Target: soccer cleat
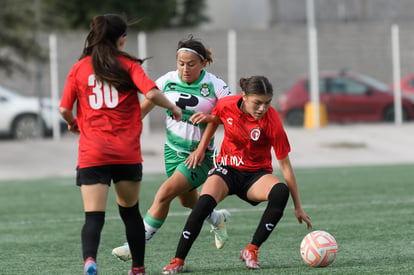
[(220, 231), (122, 252), (176, 266), (249, 256), (89, 267), (137, 271)]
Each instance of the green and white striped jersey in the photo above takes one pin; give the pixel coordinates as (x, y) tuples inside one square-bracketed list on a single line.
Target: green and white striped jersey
[(200, 96)]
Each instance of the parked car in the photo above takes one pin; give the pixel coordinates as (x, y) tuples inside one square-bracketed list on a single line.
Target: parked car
[(407, 83), (348, 97), (19, 115)]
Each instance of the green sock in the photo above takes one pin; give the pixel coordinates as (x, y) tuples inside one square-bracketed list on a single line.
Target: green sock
[(151, 226)]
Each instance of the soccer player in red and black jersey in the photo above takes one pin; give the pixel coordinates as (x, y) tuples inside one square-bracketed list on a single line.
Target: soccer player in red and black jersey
[(244, 168), (105, 83)]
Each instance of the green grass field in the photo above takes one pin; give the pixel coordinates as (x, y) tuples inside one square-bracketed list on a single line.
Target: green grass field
[(369, 210)]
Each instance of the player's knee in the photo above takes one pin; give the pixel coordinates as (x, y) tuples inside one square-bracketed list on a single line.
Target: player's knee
[(279, 195), (164, 198), (127, 213), (189, 199), (203, 208), (94, 221), (187, 203)]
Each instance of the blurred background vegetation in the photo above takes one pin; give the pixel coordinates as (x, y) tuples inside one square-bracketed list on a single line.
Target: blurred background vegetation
[(21, 22)]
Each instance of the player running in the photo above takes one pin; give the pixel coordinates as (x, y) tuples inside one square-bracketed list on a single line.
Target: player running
[(196, 92)]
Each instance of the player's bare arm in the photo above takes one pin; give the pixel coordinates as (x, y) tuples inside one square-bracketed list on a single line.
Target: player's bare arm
[(158, 98), (197, 157), (200, 117), (146, 107), (288, 174), (70, 119)]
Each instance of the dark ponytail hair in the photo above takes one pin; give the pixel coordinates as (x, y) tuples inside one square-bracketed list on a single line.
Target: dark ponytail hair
[(259, 85), (198, 47), (101, 45)]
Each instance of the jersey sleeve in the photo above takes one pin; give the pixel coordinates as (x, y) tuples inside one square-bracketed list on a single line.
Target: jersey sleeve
[(140, 79), (280, 141), (160, 82), (69, 91), (221, 88), (217, 109)]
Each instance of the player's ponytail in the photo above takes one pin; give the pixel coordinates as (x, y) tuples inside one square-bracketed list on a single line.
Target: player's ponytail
[(101, 45), (256, 85)]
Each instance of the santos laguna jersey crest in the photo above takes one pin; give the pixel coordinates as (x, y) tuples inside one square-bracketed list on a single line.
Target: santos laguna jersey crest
[(200, 96)]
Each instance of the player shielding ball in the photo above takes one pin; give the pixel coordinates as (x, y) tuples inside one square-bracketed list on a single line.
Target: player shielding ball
[(244, 168)]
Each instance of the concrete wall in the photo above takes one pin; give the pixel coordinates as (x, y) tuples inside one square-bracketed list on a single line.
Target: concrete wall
[(255, 14), (279, 52)]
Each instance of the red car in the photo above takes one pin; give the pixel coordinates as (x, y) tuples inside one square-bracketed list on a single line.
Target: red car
[(348, 97), (407, 83)]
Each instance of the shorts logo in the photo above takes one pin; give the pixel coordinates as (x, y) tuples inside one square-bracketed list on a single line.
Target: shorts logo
[(222, 170), (205, 90), (211, 171), (194, 176), (255, 134)]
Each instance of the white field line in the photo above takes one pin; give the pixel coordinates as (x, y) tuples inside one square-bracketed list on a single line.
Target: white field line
[(232, 210)]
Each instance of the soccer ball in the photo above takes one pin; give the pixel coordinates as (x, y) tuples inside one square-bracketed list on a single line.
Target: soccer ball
[(318, 248)]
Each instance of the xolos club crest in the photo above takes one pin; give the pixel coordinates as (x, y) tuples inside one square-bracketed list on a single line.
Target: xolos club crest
[(255, 134)]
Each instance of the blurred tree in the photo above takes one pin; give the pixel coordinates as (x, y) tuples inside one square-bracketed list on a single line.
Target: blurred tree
[(17, 35), (191, 15), (21, 22), (154, 14)]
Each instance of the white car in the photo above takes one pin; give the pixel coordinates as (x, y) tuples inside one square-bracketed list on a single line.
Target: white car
[(19, 115)]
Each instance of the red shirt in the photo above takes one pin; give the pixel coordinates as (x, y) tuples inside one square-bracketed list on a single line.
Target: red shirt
[(109, 121), (247, 142)]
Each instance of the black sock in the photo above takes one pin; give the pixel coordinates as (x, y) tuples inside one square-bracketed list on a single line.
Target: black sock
[(135, 233), (277, 201), (91, 233), (192, 228)]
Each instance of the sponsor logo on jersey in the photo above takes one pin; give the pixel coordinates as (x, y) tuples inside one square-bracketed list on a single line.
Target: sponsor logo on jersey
[(205, 90), (171, 86), (230, 121), (226, 88), (255, 134)]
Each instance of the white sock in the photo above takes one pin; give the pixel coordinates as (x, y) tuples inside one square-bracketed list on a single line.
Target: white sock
[(214, 218), (149, 231)]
